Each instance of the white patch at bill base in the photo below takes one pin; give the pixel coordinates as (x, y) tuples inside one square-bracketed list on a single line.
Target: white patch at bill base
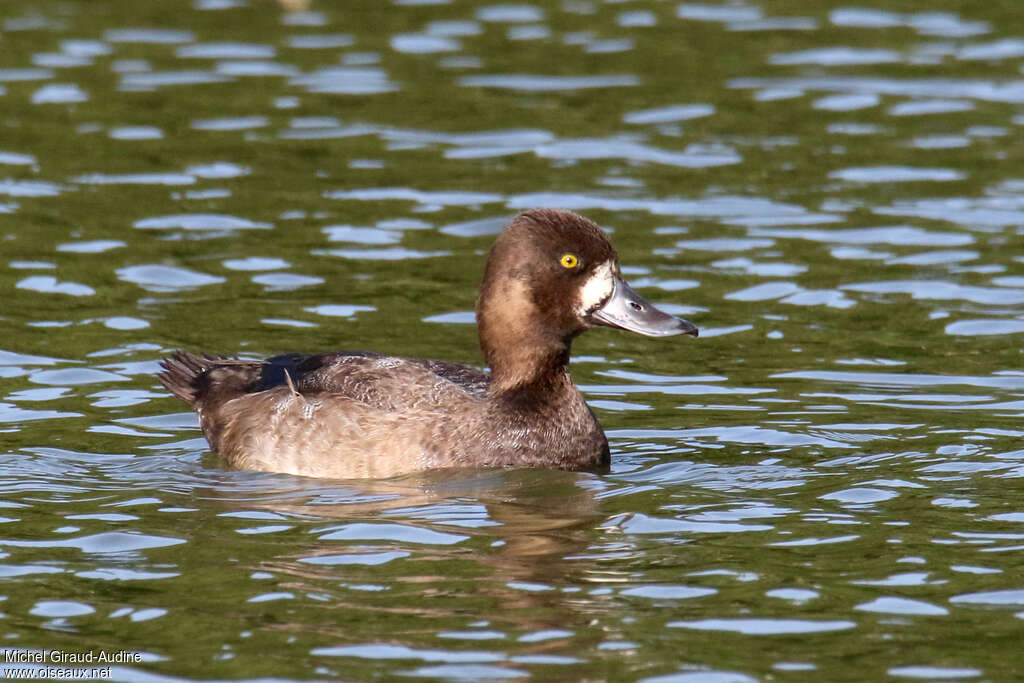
[(598, 287)]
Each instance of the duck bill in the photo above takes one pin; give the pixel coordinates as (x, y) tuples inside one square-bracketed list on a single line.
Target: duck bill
[(627, 310)]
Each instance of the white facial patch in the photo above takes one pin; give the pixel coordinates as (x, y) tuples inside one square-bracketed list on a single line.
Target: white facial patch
[(598, 287)]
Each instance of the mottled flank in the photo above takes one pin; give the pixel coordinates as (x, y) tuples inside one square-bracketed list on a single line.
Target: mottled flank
[(358, 414)]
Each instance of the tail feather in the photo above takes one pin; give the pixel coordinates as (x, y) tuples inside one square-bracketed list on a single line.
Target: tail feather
[(198, 380), (182, 373)]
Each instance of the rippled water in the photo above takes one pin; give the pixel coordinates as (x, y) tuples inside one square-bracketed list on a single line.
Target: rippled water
[(824, 486)]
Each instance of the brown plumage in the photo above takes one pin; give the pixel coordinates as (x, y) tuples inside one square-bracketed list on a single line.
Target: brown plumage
[(359, 414)]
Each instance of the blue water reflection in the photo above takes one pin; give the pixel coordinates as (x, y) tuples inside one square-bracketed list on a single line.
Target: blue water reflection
[(829, 191)]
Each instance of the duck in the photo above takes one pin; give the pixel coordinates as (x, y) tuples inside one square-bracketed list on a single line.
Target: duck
[(550, 276)]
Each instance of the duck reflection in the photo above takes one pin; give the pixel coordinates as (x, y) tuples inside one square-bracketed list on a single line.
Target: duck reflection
[(525, 524), (502, 549)]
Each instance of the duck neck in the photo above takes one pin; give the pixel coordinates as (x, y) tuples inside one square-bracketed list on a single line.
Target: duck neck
[(530, 368), (523, 355), (541, 416)]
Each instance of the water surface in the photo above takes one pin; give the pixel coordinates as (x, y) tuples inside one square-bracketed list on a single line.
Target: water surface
[(824, 486)]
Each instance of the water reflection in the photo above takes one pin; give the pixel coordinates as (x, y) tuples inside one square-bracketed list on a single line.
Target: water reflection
[(830, 191)]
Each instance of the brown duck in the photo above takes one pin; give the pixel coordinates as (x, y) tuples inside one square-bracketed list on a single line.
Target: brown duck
[(550, 276)]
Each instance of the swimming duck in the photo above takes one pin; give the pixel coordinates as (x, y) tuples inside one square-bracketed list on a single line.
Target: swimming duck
[(550, 276)]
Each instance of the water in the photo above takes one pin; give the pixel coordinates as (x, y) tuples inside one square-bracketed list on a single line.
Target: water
[(824, 486)]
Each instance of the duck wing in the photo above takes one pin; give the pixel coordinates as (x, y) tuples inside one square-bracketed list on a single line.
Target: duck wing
[(379, 381), (337, 415)]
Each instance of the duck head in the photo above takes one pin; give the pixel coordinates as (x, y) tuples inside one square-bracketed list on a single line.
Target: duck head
[(550, 276)]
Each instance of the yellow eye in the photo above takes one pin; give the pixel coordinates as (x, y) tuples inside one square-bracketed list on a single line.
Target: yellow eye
[(569, 260)]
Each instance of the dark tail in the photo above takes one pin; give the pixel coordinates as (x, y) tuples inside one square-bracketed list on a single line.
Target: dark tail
[(181, 374), (201, 379)]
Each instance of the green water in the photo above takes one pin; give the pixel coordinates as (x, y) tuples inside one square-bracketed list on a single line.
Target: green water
[(823, 486)]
